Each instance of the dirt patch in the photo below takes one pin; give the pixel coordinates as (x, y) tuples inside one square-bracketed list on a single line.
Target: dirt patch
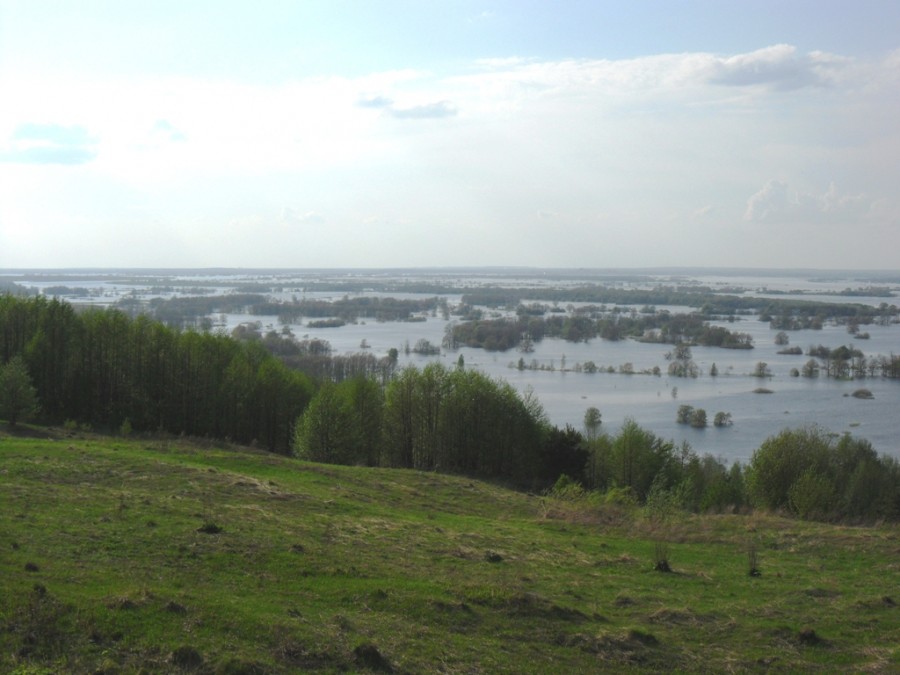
[(186, 658), (680, 617), (821, 593), (809, 638), (631, 648), (368, 656), (122, 604), (292, 653), (531, 604), (453, 607)]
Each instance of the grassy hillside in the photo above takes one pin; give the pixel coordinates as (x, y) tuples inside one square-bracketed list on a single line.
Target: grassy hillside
[(121, 555)]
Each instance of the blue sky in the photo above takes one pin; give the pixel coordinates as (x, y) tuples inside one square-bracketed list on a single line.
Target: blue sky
[(412, 133)]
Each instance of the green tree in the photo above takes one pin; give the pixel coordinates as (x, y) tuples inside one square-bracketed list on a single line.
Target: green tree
[(682, 361), (781, 460), (812, 494), (810, 368), (366, 399), (326, 430), (637, 456), (18, 397), (698, 418), (722, 419), (592, 423)]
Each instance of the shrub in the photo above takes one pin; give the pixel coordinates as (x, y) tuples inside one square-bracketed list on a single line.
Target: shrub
[(780, 461), (698, 418), (810, 473), (812, 494)]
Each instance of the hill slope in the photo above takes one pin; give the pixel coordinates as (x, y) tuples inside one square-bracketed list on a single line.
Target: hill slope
[(117, 555)]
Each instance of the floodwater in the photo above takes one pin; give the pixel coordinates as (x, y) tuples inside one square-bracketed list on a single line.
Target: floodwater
[(650, 400), (653, 400)]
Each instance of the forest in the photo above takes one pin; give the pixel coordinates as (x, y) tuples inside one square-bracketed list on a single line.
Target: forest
[(102, 369)]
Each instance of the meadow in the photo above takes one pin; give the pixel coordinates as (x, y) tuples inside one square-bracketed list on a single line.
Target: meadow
[(128, 554)]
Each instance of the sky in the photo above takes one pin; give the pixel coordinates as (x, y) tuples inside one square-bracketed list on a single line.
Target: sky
[(431, 133)]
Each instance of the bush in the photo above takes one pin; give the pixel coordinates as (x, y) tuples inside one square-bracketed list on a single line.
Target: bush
[(812, 495), (698, 418), (780, 461), (722, 419), (811, 474)]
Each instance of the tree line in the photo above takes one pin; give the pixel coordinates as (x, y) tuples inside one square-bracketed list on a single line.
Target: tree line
[(435, 419), (106, 369), (526, 329), (787, 313), (188, 311), (102, 368)]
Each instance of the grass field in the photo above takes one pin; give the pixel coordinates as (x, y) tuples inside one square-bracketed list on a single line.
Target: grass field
[(122, 555)]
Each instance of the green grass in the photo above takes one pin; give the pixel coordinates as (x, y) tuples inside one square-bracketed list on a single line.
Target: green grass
[(103, 568)]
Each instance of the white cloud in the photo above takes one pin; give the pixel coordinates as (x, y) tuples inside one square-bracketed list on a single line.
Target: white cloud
[(292, 218), (49, 144), (652, 143), (778, 66), (776, 203), (164, 130), (435, 110)]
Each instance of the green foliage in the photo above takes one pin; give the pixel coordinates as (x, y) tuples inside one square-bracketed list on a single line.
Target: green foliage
[(780, 461), (812, 495), (722, 419), (592, 421), (682, 362), (638, 458), (698, 418), (100, 367), (683, 416), (326, 432), (463, 421), (563, 453), (662, 503), (807, 472), (579, 326), (18, 397)]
